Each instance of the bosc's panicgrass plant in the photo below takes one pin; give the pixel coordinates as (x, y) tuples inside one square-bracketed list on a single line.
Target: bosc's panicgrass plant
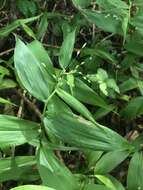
[(78, 84)]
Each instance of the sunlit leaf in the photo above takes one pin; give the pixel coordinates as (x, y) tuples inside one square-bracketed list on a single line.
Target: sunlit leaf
[(5, 31), (32, 187), (135, 177), (54, 173), (81, 133), (27, 67), (15, 131), (67, 49)]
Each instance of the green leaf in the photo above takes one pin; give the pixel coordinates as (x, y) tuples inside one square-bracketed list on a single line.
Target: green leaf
[(54, 173), (109, 161), (95, 187), (81, 3), (92, 157), (106, 181), (71, 82), (135, 44), (81, 133), (140, 86), (101, 112), (14, 168), (75, 104), (5, 31), (42, 28), (100, 52), (55, 103), (104, 21), (84, 93), (103, 88), (133, 109), (4, 71), (125, 23), (67, 49), (127, 85), (4, 101), (136, 20), (26, 7), (27, 67), (116, 183), (138, 142), (32, 187), (15, 131), (28, 31), (101, 75), (111, 83), (135, 177), (7, 83), (41, 55), (113, 6)]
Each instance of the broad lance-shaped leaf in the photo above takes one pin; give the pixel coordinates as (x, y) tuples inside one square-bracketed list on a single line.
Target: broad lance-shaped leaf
[(42, 28), (5, 31), (7, 83), (116, 183), (32, 72), (84, 134), (85, 94), (53, 173), (41, 55), (106, 181), (4, 101), (32, 187), (92, 157), (14, 168), (135, 172), (95, 187), (15, 131), (109, 161), (110, 182), (133, 109), (100, 52), (75, 104), (67, 49), (81, 3), (104, 21), (138, 142)]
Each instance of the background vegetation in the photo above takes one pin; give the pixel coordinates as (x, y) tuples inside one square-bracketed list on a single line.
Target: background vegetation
[(71, 94)]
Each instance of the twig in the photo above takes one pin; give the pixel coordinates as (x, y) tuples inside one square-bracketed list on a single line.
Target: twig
[(58, 154), (46, 45), (57, 47), (19, 114), (30, 104), (6, 51)]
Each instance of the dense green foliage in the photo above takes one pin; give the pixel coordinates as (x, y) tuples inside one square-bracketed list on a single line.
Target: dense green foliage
[(71, 95)]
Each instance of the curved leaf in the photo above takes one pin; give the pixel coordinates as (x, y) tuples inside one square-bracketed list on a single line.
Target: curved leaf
[(53, 173), (5, 31), (133, 109), (135, 172), (67, 49), (109, 161), (32, 72), (14, 168), (32, 187), (84, 134), (74, 103), (15, 131)]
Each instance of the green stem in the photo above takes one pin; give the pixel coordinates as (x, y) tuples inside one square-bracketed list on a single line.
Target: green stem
[(49, 98)]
